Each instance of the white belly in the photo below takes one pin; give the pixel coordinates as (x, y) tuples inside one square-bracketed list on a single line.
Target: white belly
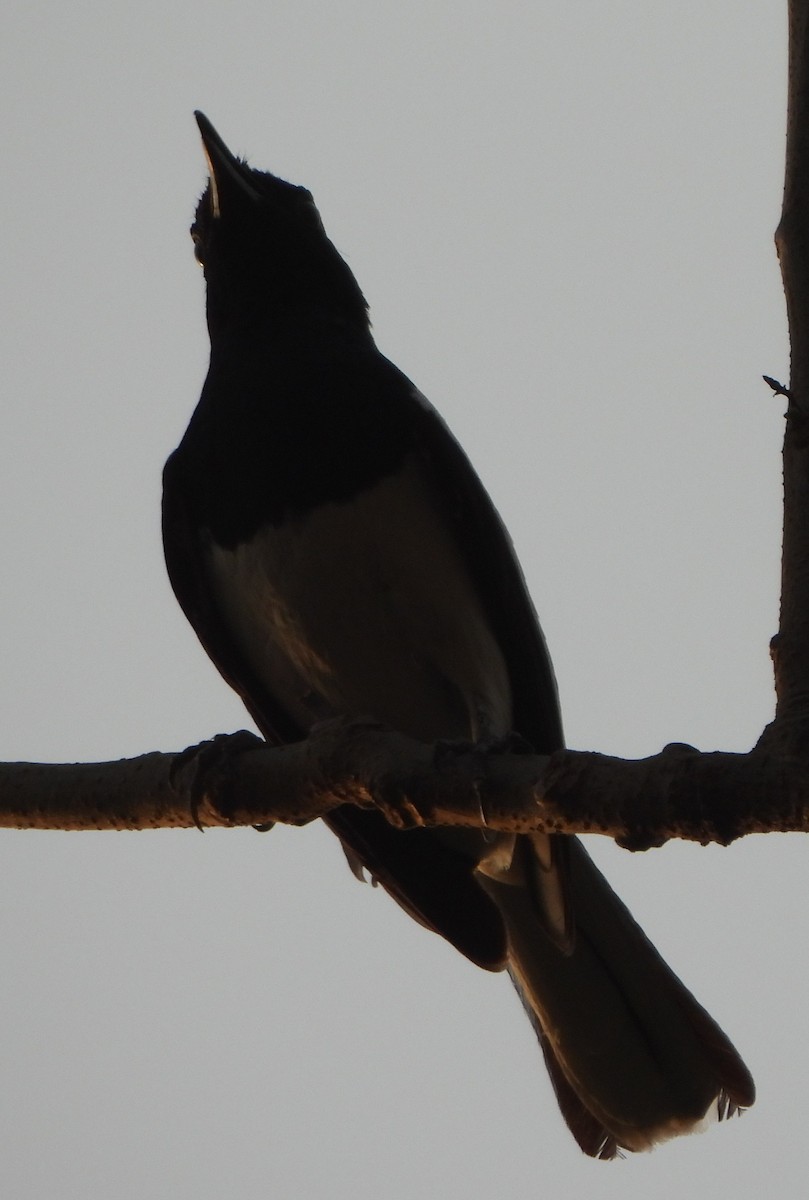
[(366, 609)]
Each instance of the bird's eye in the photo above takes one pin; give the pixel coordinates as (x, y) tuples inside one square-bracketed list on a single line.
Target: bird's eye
[(198, 248)]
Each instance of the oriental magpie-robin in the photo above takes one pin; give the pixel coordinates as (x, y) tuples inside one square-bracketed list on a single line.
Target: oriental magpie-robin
[(336, 554)]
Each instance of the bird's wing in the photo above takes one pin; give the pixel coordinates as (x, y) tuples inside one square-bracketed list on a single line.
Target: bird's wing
[(495, 571)]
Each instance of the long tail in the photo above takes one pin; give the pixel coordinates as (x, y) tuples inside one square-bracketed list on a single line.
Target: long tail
[(633, 1057)]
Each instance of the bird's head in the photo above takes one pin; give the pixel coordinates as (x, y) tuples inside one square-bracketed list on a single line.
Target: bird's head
[(263, 247)]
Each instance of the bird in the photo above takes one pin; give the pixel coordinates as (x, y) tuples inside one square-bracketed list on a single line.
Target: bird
[(338, 557)]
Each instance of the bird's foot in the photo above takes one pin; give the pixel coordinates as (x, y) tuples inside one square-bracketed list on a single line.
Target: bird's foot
[(210, 759)]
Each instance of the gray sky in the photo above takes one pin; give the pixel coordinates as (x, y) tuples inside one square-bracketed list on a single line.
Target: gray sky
[(562, 217)]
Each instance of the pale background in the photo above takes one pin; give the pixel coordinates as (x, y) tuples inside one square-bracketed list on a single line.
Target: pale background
[(562, 217)]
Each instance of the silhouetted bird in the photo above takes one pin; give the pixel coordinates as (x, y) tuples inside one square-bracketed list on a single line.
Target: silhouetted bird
[(336, 554)]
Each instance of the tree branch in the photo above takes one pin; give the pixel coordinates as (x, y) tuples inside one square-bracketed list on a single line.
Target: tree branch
[(238, 780), (791, 646)]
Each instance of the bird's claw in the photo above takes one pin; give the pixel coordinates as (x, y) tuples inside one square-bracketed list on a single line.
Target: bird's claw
[(212, 758)]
